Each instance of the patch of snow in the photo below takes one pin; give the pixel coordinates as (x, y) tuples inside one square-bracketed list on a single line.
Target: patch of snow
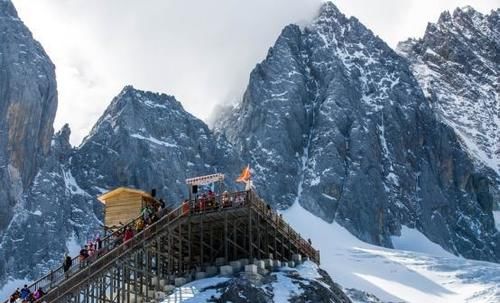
[(153, 104), (496, 216), (72, 246), (308, 270), (396, 275), (100, 189), (72, 185), (315, 181), (284, 289), (413, 240), (153, 140), (196, 292), (328, 196)]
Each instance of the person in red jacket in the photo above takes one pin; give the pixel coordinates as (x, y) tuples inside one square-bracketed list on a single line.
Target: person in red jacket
[(185, 207), (129, 234)]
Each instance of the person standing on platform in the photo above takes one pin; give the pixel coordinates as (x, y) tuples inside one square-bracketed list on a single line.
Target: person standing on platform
[(68, 262)]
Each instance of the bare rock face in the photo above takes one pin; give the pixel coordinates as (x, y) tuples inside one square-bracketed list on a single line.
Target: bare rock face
[(332, 118), (28, 102)]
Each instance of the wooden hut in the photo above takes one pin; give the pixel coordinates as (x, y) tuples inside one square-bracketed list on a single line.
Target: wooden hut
[(123, 204)]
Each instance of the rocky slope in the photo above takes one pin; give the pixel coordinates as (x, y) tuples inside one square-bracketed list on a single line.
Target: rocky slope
[(335, 119), (457, 64), (56, 210), (28, 102)]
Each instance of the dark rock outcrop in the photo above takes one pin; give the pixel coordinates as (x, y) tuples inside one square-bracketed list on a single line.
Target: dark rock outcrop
[(332, 118)]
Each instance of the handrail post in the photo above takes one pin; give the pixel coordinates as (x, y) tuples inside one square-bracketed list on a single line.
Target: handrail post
[(51, 278)]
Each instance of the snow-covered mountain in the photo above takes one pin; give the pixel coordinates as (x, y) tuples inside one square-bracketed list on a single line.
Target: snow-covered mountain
[(457, 64), (334, 119), (338, 131)]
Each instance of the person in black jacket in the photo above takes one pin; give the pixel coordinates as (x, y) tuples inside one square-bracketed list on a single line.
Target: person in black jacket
[(67, 264)]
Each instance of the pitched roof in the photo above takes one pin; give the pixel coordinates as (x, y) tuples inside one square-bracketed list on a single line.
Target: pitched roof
[(120, 190)]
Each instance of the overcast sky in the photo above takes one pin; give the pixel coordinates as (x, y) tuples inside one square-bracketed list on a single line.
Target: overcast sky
[(200, 51)]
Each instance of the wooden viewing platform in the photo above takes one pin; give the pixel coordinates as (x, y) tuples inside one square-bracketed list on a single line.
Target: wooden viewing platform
[(182, 241)]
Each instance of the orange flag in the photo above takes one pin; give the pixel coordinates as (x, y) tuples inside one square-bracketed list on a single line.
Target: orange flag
[(245, 175)]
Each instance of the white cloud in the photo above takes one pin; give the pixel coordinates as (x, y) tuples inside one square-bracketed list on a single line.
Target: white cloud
[(200, 51)]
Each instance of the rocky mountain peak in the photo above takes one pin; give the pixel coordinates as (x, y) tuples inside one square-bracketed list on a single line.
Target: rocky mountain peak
[(132, 97), (330, 19), (444, 17), (465, 11), (138, 111), (329, 11), (60, 142), (7, 9)]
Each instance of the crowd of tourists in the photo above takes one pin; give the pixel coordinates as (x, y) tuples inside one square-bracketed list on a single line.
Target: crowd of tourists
[(209, 202), (25, 295)]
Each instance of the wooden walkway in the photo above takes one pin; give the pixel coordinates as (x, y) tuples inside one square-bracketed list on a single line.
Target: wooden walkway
[(183, 241)]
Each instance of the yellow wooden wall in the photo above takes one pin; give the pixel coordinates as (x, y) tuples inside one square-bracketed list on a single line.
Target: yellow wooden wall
[(122, 208)]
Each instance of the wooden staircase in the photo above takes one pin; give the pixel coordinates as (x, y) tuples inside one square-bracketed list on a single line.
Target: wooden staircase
[(180, 242)]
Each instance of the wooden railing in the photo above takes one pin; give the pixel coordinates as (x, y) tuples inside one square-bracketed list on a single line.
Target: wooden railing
[(277, 221), (112, 248), (107, 244), (107, 259)]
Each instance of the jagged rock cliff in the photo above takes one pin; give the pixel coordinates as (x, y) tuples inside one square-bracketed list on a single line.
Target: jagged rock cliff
[(333, 118), (28, 102), (457, 64)]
